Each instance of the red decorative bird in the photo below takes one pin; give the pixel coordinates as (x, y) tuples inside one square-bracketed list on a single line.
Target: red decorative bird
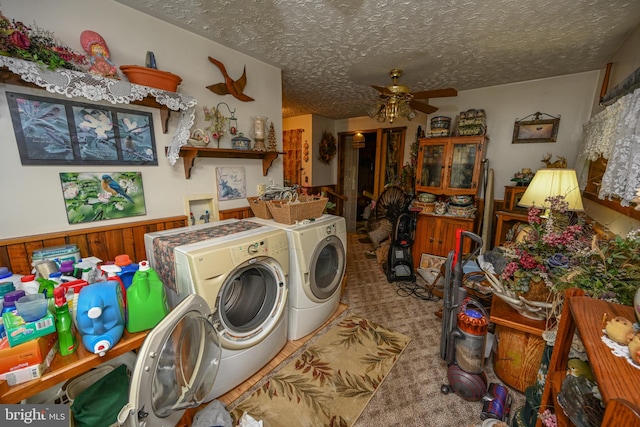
[(230, 87)]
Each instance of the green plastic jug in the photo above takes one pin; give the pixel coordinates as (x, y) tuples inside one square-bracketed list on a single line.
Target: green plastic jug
[(146, 300)]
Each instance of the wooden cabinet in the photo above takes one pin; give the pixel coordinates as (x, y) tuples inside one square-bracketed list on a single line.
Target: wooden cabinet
[(436, 235), (450, 166), (617, 379)]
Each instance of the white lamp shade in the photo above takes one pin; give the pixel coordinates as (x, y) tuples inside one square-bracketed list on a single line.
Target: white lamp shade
[(550, 183)]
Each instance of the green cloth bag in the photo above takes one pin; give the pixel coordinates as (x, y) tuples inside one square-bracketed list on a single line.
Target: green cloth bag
[(99, 404)]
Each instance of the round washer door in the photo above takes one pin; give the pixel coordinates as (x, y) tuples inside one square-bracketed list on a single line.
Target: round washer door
[(251, 302), (176, 366), (327, 267)]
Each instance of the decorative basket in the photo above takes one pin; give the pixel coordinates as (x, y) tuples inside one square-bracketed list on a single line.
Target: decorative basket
[(536, 310), (426, 207), (306, 207), (259, 207)]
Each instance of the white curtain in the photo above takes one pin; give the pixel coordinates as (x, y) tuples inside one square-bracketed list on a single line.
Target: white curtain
[(614, 134)]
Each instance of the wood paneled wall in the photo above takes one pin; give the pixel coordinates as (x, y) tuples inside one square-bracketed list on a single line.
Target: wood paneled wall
[(103, 242)]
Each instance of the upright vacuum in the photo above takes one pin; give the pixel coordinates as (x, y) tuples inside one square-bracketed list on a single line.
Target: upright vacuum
[(399, 266), (464, 326)]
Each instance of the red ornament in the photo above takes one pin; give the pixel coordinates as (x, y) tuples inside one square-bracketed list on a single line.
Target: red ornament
[(233, 130)]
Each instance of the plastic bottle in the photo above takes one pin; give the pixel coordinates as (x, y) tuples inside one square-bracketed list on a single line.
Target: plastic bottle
[(66, 271), (5, 288), (7, 276), (100, 316), (67, 342), (47, 287), (29, 284), (10, 300), (73, 293), (147, 301), (127, 269), (112, 271), (56, 276)]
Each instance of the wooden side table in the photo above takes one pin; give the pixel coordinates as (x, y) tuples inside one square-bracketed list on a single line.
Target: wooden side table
[(519, 345)]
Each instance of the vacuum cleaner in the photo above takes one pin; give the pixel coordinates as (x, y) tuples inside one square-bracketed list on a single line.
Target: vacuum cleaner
[(464, 326), (399, 266)]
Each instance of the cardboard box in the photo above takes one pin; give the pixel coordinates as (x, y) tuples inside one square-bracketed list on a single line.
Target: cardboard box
[(19, 331), (31, 372), (30, 353)]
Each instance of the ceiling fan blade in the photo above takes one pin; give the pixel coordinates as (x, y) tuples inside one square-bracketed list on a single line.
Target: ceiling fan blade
[(421, 106), (383, 90), (436, 93)]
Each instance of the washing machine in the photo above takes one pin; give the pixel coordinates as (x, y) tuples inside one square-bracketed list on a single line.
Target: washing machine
[(176, 367), (317, 263), (240, 269)]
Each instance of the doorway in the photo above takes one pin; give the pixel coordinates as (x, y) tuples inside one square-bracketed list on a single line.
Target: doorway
[(365, 168)]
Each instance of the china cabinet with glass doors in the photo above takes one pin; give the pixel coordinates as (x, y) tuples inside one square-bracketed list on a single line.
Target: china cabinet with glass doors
[(450, 166)]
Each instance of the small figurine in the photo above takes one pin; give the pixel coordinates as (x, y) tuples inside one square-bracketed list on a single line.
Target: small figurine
[(99, 56), (618, 329)]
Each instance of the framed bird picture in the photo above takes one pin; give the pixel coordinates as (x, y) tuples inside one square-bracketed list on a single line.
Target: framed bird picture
[(51, 131), (96, 196)]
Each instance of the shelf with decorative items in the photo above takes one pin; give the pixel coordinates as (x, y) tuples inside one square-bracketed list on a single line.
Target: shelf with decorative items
[(76, 84), (189, 155)]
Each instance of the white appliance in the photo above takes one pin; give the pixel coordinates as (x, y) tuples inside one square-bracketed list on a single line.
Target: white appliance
[(176, 367), (240, 270), (317, 260)]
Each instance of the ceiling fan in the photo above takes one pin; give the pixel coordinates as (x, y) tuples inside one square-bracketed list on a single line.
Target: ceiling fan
[(397, 100)]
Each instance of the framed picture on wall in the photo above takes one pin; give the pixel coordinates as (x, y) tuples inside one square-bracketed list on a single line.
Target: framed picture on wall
[(51, 131), (231, 183), (537, 129), (96, 196)]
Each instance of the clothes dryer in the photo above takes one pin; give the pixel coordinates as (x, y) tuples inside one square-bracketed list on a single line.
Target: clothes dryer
[(240, 269), (317, 260)]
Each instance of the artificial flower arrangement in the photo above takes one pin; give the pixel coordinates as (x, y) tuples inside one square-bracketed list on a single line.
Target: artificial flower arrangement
[(546, 251), (523, 177), (552, 255), (218, 122), (35, 44)]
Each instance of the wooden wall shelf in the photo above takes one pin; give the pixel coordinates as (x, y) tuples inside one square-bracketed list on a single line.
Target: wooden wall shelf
[(189, 155)]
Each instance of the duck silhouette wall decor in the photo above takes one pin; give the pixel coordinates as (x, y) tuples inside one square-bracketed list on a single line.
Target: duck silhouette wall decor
[(230, 86)]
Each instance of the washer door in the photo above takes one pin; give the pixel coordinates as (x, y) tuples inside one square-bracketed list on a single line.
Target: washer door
[(251, 302), (176, 367), (327, 267)]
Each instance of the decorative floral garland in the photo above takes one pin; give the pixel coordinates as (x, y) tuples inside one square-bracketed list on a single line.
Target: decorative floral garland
[(327, 147)]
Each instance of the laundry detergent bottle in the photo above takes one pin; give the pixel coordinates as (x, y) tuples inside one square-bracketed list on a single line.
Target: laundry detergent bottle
[(146, 300), (64, 325), (100, 316)]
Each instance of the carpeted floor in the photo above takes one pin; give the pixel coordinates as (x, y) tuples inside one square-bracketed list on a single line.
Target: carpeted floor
[(410, 395)]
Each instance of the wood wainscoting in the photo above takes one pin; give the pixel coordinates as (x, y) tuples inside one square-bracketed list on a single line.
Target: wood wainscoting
[(104, 242)]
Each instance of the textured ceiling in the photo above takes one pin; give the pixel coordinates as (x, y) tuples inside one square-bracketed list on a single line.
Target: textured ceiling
[(331, 51)]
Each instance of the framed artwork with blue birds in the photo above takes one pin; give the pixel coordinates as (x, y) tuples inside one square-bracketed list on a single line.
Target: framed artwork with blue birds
[(96, 196), (52, 131)]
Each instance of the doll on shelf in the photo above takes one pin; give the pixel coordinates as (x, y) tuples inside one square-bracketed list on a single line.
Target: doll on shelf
[(96, 47)]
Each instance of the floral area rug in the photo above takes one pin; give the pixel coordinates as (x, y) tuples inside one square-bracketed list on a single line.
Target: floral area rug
[(331, 381)]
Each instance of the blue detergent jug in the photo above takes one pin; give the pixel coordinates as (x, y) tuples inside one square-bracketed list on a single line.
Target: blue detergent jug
[(100, 316)]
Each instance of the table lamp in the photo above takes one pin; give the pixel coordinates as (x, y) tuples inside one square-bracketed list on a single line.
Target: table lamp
[(551, 182)]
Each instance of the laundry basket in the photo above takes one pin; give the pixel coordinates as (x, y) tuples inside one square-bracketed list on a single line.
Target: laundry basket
[(306, 207), (259, 207)]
